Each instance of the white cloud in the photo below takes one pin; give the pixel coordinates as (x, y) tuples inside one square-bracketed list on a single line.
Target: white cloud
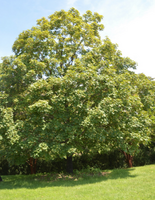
[(136, 40), (87, 2), (71, 3)]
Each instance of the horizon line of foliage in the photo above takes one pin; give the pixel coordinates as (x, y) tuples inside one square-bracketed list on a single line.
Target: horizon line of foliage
[(103, 161), (66, 92)]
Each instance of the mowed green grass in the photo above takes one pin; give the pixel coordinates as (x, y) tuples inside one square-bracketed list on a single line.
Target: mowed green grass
[(135, 184)]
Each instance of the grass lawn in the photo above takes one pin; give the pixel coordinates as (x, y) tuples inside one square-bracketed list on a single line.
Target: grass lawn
[(135, 184)]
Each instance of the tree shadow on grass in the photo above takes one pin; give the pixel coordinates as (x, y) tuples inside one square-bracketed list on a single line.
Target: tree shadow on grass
[(62, 180)]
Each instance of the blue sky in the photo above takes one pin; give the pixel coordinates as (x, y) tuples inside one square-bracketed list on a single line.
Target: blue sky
[(129, 23)]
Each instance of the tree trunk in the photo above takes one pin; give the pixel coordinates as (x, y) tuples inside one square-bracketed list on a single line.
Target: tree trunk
[(69, 165), (35, 165), (32, 163), (129, 159), (0, 178)]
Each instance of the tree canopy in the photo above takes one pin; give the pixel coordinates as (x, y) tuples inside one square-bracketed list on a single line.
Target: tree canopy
[(66, 91)]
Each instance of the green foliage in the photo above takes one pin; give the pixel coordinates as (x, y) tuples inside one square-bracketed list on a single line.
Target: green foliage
[(67, 92), (53, 45)]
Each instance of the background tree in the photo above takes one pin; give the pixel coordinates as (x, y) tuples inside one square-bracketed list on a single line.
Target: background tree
[(121, 117)]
